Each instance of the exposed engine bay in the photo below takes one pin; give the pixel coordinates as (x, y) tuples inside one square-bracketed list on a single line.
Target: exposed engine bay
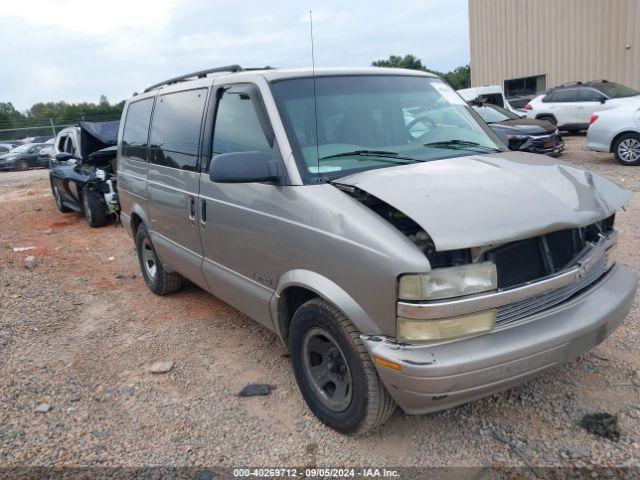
[(517, 262)]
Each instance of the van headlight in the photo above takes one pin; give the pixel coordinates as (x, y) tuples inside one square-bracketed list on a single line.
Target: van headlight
[(449, 282)]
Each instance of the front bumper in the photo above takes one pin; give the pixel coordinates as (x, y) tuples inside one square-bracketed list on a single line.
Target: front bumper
[(551, 145), (7, 166), (436, 377)]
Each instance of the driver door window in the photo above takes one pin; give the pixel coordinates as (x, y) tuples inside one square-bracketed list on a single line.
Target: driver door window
[(238, 127)]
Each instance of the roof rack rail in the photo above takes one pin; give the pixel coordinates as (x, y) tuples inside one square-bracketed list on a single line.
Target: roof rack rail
[(200, 74), (569, 84)]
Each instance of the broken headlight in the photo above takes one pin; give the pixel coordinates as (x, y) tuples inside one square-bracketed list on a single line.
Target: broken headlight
[(449, 282)]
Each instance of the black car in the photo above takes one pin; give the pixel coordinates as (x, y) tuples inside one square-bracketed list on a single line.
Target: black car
[(23, 157), (83, 171), (523, 134)]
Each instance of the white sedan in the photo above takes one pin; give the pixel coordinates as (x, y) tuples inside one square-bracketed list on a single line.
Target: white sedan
[(617, 131)]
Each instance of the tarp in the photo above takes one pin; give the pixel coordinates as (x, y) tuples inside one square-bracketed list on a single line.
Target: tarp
[(97, 135), (105, 132)]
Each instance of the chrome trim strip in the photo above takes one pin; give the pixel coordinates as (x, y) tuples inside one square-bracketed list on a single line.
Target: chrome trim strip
[(142, 179), (470, 304)]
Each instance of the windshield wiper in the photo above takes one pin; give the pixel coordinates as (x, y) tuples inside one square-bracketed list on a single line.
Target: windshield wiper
[(461, 145), (371, 153)]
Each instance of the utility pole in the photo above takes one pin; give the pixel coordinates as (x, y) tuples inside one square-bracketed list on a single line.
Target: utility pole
[(53, 129)]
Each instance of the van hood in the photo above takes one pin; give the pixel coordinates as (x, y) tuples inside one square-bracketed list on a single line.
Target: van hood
[(482, 200)]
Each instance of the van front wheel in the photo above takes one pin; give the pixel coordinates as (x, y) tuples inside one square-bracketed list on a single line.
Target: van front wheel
[(154, 273), (334, 371)]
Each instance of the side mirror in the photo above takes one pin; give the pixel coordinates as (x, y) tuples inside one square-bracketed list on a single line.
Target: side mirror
[(603, 99), (244, 167), (63, 156)]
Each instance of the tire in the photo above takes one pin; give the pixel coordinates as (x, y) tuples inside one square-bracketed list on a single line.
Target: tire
[(23, 165), (94, 209), (58, 199), (367, 404), (627, 149), (549, 118), (155, 275)]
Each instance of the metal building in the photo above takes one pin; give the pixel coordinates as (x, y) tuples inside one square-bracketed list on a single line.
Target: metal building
[(527, 46)]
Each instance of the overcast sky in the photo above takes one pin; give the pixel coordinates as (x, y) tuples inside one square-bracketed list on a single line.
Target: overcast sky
[(75, 50)]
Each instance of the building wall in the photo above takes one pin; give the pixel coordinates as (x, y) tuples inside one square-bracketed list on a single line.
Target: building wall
[(568, 40)]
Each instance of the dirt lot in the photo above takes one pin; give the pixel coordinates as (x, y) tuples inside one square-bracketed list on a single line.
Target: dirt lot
[(80, 331)]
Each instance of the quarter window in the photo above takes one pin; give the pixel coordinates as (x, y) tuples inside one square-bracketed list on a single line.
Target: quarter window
[(562, 96), (175, 130), (238, 127), (136, 129)]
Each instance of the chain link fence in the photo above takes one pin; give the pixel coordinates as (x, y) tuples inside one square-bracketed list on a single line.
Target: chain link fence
[(22, 130)]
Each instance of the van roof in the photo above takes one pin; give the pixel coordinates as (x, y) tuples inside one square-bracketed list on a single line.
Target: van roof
[(271, 74)]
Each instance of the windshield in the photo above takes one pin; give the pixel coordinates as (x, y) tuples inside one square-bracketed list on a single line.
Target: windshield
[(615, 90), (374, 121), (493, 113), (22, 148)]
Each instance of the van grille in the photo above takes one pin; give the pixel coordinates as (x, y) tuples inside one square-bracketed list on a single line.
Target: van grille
[(530, 260), (525, 308)]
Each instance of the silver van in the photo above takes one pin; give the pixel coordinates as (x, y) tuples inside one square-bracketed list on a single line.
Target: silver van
[(376, 224)]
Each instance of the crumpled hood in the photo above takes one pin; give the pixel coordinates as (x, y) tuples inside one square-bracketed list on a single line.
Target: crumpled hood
[(484, 200), (524, 126)]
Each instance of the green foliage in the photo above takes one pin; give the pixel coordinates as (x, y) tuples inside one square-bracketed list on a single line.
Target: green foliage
[(39, 117), (458, 78)]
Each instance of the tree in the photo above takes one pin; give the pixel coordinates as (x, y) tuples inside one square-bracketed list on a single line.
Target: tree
[(39, 117), (396, 61), (459, 77)]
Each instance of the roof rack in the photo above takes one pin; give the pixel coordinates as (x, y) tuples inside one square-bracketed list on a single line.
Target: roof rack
[(569, 84), (200, 74)]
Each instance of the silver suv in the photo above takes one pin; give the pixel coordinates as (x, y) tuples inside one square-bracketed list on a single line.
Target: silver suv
[(376, 224)]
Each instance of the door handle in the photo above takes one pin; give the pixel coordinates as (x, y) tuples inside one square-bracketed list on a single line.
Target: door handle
[(192, 208), (203, 211)]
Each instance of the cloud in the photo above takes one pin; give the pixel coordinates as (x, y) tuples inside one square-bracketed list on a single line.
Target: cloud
[(90, 16), (76, 50)]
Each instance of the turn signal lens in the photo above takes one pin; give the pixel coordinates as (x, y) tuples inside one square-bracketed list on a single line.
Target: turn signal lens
[(593, 118), (528, 107), (414, 330), (387, 363)]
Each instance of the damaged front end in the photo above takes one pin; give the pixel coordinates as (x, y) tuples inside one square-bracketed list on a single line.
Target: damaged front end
[(483, 287)]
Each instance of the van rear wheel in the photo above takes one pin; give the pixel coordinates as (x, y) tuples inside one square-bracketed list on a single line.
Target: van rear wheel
[(334, 371), (154, 273)]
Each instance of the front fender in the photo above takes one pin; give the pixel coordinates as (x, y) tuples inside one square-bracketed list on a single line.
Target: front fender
[(324, 288)]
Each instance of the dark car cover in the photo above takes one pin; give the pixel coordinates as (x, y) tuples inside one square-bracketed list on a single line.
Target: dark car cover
[(95, 136)]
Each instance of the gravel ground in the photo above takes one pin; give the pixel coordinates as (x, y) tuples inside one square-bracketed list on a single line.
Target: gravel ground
[(80, 331)]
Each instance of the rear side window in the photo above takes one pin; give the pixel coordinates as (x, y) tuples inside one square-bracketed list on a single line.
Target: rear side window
[(238, 127), (61, 143), (68, 146), (548, 97), (175, 130), (136, 129), (492, 98), (561, 96)]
